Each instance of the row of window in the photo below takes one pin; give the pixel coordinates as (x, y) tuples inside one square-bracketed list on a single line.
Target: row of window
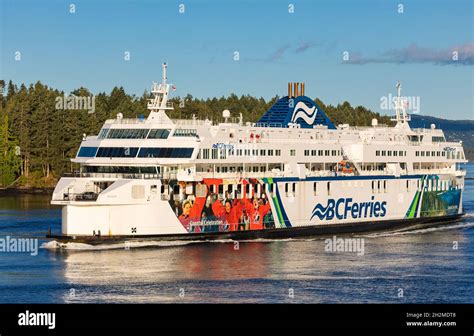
[(166, 152), (133, 133), (120, 170), (222, 153), (155, 152), (181, 132), (235, 190), (449, 155), (430, 153), (390, 153), (290, 188), (117, 152), (320, 152)]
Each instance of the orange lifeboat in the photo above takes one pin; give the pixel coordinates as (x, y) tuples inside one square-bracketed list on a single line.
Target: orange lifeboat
[(345, 167)]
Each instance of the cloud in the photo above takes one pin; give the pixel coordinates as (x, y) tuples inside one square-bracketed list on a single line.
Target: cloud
[(305, 46), (416, 54), (278, 54)]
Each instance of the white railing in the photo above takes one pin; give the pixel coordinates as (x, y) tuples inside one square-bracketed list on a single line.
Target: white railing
[(192, 122), (120, 176), (126, 121)]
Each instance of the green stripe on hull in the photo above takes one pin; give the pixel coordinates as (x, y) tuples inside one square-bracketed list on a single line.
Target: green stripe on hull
[(276, 204)]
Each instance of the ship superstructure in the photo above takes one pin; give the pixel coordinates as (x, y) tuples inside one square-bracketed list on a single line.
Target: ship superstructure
[(291, 173)]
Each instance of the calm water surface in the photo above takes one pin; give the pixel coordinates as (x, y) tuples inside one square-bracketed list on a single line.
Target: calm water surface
[(422, 263)]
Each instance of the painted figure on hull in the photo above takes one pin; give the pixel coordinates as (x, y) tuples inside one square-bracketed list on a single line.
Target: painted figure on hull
[(204, 211)]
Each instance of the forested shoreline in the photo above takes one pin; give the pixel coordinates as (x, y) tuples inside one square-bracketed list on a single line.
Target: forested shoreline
[(38, 139)]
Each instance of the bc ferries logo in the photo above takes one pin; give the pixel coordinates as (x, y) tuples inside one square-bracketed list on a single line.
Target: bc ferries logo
[(303, 111), (344, 208)]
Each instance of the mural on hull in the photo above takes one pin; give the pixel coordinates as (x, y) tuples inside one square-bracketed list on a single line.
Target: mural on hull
[(226, 205), (431, 203), (217, 205)]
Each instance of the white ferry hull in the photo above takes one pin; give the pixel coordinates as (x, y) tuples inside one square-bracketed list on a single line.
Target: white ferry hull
[(286, 207)]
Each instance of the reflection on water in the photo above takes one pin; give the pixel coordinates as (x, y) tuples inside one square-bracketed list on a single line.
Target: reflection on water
[(423, 263), (265, 271)]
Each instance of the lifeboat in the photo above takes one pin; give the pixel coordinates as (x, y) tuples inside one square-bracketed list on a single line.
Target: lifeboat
[(345, 167)]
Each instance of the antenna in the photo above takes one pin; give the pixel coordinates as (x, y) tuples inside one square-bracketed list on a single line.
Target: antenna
[(397, 108), (401, 116), (164, 66)]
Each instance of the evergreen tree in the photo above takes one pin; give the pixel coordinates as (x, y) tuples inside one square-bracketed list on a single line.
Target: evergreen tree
[(9, 160)]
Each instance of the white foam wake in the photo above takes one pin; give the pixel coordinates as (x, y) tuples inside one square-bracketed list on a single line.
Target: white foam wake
[(70, 246), (420, 231), (53, 244)]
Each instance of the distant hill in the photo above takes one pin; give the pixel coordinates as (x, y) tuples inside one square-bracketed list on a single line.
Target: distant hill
[(454, 130)]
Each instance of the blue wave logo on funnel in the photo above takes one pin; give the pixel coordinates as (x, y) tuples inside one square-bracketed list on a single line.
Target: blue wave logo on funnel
[(303, 111)]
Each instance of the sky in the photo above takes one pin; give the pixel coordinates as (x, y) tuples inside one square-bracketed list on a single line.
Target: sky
[(343, 50)]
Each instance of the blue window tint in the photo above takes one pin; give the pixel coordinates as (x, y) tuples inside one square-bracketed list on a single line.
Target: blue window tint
[(166, 152), (117, 152), (87, 152), (160, 133)]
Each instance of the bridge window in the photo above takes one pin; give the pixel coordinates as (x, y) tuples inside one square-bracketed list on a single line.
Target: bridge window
[(103, 133), (160, 133), (87, 152), (127, 133), (117, 152)]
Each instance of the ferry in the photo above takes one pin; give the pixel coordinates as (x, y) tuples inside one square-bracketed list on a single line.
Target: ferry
[(291, 174)]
